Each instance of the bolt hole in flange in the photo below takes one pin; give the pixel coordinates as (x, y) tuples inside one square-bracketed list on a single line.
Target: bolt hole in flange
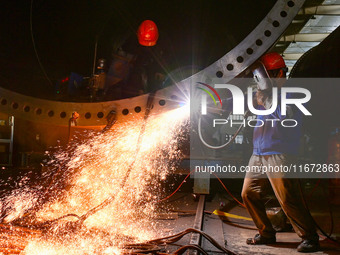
[(63, 115), (161, 102), (239, 59), (290, 3), (276, 23), (15, 105), (125, 112), (258, 42), (3, 101), (27, 108), (219, 74), (267, 33), (88, 115), (100, 115), (138, 109), (50, 113), (230, 67), (38, 111)]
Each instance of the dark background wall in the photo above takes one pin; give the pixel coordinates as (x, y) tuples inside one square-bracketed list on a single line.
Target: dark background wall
[(191, 32)]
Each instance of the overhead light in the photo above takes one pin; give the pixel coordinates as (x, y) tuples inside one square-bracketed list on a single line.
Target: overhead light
[(295, 21), (280, 45)]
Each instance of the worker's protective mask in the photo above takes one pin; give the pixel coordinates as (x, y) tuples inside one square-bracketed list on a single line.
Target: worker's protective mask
[(261, 76)]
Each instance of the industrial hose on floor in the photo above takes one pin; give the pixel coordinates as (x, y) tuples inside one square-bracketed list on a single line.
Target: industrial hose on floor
[(176, 237)]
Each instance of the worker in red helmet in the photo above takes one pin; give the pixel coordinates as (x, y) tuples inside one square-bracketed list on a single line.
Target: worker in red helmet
[(275, 66), (149, 64), (137, 66), (275, 146)]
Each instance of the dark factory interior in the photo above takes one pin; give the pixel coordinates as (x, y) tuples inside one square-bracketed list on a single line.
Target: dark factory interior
[(170, 127)]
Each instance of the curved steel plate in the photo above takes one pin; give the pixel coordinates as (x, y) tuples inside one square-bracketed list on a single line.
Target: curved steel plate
[(224, 69)]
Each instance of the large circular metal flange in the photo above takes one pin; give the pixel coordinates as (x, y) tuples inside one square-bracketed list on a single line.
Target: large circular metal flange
[(253, 46), (91, 114), (225, 69), (257, 42)]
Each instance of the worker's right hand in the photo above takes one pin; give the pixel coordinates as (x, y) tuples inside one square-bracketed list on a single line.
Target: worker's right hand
[(262, 96), (255, 104)]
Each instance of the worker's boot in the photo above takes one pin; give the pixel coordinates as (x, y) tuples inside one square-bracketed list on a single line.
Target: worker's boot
[(308, 246), (258, 239)]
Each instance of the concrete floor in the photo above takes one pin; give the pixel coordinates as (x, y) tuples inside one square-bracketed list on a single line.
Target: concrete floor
[(234, 232)]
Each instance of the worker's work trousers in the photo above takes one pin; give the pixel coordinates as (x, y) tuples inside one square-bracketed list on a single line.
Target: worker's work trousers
[(287, 192)]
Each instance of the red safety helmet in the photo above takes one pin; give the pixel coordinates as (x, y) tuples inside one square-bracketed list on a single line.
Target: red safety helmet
[(147, 33), (272, 61)]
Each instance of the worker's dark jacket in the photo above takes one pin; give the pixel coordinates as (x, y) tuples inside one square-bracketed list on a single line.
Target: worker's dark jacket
[(272, 137)]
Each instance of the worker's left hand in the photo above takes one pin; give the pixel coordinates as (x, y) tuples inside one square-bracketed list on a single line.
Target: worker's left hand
[(262, 96)]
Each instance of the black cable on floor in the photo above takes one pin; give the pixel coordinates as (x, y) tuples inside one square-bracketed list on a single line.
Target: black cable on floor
[(176, 237), (316, 224)]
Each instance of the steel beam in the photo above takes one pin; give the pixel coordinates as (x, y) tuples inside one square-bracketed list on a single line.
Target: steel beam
[(327, 9), (198, 224), (304, 37), (91, 114), (292, 56)]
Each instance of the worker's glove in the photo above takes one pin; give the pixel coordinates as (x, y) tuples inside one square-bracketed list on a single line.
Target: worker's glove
[(255, 104), (264, 98)]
